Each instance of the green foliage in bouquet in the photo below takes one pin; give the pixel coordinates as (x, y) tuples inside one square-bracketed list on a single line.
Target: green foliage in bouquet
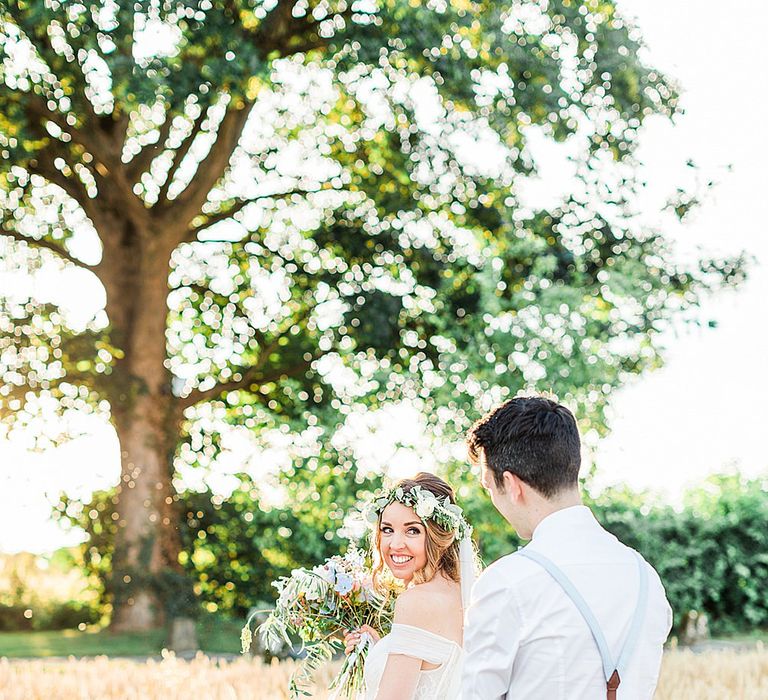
[(318, 606)]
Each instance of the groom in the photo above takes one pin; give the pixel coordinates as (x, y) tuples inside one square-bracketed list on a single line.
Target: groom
[(575, 614)]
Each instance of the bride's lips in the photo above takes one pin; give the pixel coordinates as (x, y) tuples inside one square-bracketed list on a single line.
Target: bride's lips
[(405, 560)]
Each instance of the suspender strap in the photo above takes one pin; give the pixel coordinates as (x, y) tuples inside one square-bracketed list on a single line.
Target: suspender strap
[(565, 583), (611, 671), (637, 621)]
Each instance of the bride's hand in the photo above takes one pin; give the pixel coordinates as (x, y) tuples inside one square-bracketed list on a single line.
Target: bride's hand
[(352, 637)]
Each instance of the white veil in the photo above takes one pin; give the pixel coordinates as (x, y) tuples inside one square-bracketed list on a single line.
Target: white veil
[(468, 568)]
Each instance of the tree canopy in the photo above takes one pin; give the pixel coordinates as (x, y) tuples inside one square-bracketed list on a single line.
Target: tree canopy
[(295, 206)]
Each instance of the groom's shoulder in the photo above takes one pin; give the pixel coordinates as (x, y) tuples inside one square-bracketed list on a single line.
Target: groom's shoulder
[(507, 571)]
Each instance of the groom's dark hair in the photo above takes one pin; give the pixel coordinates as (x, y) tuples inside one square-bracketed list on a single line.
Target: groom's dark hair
[(532, 437)]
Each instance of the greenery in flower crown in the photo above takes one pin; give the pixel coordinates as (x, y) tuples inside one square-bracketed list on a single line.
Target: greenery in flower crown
[(425, 504)]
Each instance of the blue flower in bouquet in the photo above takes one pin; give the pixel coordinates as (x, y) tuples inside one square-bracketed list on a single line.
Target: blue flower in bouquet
[(344, 583)]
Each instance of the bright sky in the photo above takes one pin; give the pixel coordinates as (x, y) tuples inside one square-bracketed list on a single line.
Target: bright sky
[(704, 412)]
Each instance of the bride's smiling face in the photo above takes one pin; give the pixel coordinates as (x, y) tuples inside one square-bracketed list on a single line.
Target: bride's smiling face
[(402, 541)]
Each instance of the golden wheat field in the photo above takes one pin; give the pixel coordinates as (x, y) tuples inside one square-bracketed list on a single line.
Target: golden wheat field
[(685, 676)]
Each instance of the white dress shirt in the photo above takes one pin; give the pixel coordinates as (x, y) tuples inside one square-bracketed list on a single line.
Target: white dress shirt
[(524, 639)]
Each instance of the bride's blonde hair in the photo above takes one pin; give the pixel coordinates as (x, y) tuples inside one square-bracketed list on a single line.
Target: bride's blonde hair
[(441, 546)]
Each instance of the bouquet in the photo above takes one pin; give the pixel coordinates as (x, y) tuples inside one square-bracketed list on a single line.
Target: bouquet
[(318, 606)]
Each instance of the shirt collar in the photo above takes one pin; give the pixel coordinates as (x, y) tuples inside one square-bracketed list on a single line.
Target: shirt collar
[(561, 521)]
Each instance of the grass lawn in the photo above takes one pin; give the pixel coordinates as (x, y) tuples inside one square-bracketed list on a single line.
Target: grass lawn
[(216, 635), (751, 637)]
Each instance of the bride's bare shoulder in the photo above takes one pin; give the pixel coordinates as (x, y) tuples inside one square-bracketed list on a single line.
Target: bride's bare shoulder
[(421, 605)]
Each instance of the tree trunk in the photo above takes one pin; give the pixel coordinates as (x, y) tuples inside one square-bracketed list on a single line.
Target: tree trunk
[(148, 585), (147, 545)]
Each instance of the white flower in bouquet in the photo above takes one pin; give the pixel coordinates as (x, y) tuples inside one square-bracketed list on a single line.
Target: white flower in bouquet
[(325, 572)]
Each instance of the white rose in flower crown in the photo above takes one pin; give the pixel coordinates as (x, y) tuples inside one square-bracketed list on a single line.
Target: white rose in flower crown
[(454, 509), (426, 505)]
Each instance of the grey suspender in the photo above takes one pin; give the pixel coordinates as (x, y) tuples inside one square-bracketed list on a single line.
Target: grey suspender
[(612, 671)]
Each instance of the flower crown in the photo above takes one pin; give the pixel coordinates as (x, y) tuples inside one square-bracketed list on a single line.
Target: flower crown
[(447, 515)]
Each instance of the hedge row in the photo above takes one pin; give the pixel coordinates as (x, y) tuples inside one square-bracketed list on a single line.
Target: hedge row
[(712, 553)]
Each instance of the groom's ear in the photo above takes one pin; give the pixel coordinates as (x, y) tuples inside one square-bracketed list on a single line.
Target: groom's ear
[(513, 486)]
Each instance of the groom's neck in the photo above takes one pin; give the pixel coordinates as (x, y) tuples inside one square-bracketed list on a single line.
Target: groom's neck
[(541, 507)]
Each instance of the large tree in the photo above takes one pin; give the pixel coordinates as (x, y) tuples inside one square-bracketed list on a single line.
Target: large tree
[(303, 203)]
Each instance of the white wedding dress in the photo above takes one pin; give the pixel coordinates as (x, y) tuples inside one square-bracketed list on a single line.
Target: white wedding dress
[(441, 683)]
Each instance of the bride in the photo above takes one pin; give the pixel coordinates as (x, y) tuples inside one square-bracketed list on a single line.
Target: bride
[(422, 537)]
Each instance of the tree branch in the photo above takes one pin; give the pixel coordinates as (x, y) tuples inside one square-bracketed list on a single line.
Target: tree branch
[(250, 376), (240, 204), (38, 36), (306, 47), (180, 154), (280, 27), (274, 29), (43, 164), (102, 141), (141, 162), (38, 110), (48, 245), (217, 218), (223, 300), (212, 168), (73, 187)]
